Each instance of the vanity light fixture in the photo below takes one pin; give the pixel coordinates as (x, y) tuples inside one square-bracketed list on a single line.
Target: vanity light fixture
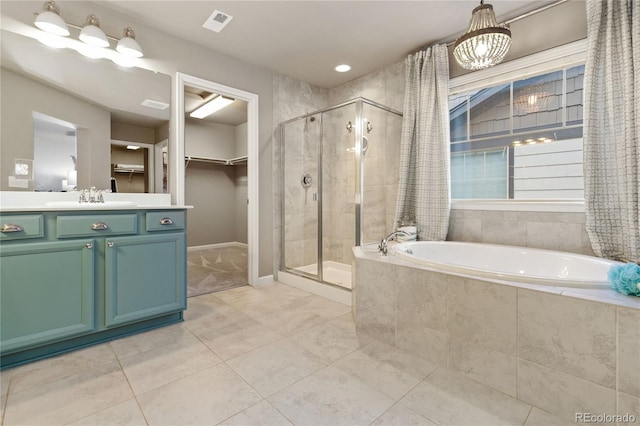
[(212, 106), (95, 43), (92, 34), (128, 45), (51, 21), (485, 43)]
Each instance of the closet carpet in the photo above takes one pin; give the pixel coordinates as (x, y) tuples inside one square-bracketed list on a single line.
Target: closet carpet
[(216, 269)]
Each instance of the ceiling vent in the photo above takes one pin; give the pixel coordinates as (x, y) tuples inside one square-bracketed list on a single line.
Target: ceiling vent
[(154, 104), (217, 21)]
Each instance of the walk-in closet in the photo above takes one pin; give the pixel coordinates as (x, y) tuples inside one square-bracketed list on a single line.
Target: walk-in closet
[(216, 186)]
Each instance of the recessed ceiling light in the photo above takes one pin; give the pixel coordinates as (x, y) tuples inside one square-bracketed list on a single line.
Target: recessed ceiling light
[(343, 68)]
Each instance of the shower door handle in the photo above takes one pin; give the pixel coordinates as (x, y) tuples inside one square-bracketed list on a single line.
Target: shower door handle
[(315, 196)]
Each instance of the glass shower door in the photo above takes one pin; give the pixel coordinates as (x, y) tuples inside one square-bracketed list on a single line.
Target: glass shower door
[(339, 166), (300, 158)]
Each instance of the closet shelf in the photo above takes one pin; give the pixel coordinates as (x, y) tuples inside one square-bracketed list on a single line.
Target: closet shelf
[(223, 161)]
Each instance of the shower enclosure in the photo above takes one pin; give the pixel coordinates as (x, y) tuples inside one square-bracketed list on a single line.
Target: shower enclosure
[(339, 170)]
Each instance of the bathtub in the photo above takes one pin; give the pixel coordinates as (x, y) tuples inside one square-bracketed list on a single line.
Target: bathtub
[(516, 264)]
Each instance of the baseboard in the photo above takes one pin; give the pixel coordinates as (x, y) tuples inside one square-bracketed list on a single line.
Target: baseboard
[(262, 281), (337, 294), (219, 245)]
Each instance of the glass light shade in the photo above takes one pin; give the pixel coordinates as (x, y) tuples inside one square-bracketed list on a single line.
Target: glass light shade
[(51, 21), (92, 34), (128, 45), (485, 43)]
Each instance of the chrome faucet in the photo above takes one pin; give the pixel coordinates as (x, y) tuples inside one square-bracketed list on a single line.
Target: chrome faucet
[(91, 195), (383, 246)]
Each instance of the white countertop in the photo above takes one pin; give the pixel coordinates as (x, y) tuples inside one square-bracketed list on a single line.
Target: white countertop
[(18, 201)]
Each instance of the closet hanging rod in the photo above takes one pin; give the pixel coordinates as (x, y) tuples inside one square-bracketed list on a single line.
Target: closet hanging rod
[(225, 162)]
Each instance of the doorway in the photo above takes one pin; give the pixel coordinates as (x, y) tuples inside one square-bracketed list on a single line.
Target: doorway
[(237, 164)]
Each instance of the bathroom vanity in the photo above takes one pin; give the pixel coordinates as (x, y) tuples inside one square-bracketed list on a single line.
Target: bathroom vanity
[(74, 275)]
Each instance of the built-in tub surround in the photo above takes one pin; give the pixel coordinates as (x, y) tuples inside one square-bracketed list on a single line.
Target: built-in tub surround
[(565, 350)]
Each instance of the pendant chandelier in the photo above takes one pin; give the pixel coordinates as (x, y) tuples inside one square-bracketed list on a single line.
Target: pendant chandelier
[(485, 43)]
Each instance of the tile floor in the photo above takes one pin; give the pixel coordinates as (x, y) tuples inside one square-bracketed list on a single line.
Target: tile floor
[(273, 355)]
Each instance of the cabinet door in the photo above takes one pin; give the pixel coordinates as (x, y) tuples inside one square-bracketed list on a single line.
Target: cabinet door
[(46, 292), (145, 277)]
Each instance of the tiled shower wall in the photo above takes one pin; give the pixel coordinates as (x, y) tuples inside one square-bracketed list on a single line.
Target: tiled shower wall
[(545, 230), (293, 98)]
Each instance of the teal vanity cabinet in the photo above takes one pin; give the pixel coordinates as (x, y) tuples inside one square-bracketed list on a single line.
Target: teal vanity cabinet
[(72, 278)]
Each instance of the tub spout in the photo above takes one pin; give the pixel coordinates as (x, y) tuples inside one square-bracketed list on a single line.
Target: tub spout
[(383, 246)]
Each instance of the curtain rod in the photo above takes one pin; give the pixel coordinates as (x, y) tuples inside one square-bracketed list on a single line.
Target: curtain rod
[(508, 21)]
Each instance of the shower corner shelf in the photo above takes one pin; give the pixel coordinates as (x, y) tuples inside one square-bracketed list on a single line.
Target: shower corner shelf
[(222, 161)]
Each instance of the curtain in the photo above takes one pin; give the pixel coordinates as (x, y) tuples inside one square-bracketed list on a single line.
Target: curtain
[(423, 193), (612, 128)]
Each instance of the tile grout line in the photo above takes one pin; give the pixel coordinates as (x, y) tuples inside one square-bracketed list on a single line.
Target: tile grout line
[(135, 395)]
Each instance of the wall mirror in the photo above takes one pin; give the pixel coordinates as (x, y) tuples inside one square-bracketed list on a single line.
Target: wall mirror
[(106, 106)]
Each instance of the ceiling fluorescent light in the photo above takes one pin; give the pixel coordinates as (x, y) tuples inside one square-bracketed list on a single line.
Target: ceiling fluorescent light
[(133, 147), (212, 106)]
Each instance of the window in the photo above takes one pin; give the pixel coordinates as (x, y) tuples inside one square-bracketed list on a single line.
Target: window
[(520, 139)]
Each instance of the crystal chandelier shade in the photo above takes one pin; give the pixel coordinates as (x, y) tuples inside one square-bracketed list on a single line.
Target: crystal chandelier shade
[(485, 43)]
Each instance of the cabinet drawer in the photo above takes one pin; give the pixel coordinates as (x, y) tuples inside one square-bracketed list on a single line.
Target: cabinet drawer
[(165, 220), (20, 227), (96, 225)]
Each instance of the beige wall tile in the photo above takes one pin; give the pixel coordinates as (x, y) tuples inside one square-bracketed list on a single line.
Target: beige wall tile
[(574, 336), (555, 236), (421, 326), (376, 300), (562, 394), (482, 313), (493, 368), (629, 351), (422, 298)]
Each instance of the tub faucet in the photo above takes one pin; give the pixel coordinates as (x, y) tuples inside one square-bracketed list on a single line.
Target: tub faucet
[(382, 247)]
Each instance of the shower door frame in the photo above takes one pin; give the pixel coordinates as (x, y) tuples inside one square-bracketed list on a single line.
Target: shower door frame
[(359, 183)]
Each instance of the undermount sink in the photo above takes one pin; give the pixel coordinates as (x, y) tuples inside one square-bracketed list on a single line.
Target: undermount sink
[(76, 204)]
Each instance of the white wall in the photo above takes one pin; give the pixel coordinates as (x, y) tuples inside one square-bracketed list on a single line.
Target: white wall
[(218, 193)]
